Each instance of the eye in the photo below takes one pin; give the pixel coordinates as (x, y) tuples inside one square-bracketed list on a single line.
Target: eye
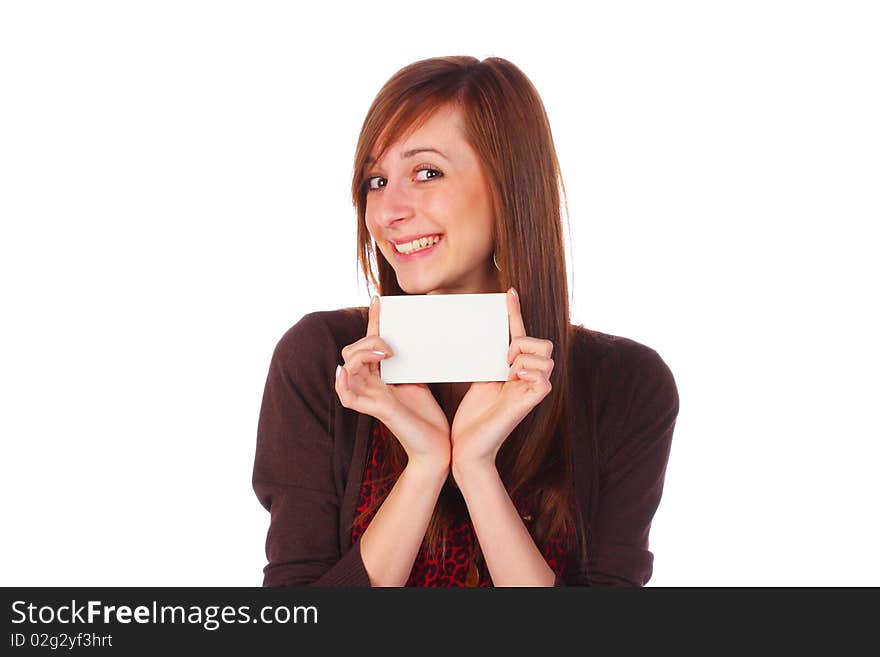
[(429, 169), (368, 183), (370, 186)]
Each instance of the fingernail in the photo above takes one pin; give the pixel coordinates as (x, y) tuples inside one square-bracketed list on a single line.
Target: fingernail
[(515, 295), (338, 370), (373, 301), (376, 351)]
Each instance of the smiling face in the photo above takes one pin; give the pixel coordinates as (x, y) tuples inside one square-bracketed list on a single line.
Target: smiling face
[(413, 192)]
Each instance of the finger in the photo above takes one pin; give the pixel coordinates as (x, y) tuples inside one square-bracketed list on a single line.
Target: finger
[(373, 321), (361, 358), (347, 393), (536, 378), (514, 315), (371, 340), (532, 362), (367, 342), (343, 391), (529, 345)]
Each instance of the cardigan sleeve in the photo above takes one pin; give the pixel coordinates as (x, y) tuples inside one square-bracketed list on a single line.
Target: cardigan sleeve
[(293, 468), (634, 452)]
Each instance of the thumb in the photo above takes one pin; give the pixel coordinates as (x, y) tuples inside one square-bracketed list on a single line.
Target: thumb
[(373, 317)]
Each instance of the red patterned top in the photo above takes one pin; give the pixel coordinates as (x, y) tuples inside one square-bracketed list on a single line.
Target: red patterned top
[(456, 569)]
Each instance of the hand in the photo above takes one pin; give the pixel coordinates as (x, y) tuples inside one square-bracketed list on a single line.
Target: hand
[(409, 410), (491, 410)]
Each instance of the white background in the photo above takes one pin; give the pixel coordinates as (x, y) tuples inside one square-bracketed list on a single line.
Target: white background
[(174, 195)]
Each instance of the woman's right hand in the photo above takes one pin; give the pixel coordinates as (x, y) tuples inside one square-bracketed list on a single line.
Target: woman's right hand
[(409, 410)]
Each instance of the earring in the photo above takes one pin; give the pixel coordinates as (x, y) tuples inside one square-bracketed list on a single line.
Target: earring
[(495, 260)]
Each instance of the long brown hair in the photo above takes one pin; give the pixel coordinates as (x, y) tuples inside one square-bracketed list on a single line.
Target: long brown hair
[(506, 124)]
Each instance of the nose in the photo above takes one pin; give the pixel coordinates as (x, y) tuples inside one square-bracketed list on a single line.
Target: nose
[(393, 204)]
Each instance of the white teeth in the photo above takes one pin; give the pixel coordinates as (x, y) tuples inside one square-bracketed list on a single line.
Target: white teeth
[(417, 244)]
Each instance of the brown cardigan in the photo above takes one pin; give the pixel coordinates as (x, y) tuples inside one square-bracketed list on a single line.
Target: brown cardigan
[(311, 454)]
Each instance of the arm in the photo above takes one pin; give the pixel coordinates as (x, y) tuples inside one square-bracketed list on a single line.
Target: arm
[(487, 414), (392, 540), (293, 478), (511, 555), (293, 468), (636, 439)]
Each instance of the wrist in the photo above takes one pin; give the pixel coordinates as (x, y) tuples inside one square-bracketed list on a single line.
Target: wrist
[(466, 470), (432, 451), (429, 467)]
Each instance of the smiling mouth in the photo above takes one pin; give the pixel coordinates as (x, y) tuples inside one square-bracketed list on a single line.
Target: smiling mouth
[(417, 246)]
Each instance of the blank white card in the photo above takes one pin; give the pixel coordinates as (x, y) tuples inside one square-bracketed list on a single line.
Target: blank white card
[(440, 338)]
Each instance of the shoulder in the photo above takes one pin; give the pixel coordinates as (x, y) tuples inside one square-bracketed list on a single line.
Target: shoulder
[(628, 377), (322, 331), (599, 345)]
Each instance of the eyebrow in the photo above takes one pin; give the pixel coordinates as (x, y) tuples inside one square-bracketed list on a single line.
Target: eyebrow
[(414, 151)]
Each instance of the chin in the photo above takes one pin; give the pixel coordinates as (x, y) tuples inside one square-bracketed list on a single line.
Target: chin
[(411, 288)]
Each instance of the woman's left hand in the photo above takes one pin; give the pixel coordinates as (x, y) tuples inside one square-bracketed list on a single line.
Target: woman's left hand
[(491, 410)]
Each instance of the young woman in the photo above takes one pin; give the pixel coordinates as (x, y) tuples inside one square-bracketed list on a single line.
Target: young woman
[(549, 478)]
